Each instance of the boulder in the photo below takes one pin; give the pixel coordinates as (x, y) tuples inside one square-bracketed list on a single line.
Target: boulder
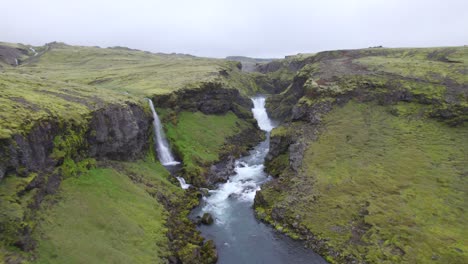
[(207, 219)]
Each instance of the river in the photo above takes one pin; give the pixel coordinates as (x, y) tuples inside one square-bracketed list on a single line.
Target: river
[(238, 235)]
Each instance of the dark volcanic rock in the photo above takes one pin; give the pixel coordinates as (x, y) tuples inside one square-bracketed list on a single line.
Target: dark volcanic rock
[(11, 55), (119, 133), (116, 132), (296, 154), (312, 114), (210, 98), (280, 106), (278, 146), (207, 219), (25, 153), (221, 171)]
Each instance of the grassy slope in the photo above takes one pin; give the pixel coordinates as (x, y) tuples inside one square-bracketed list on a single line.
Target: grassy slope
[(403, 176), (67, 82), (136, 72), (385, 184), (102, 216), (27, 99), (200, 138)]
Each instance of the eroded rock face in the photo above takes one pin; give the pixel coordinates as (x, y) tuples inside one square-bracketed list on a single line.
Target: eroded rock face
[(211, 98), (25, 153), (119, 133), (279, 106), (296, 155), (116, 132), (11, 55), (312, 114)]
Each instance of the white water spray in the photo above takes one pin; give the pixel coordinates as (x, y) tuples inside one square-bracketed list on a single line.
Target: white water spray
[(16, 62), (183, 184), (162, 147), (33, 50), (249, 175), (261, 115)]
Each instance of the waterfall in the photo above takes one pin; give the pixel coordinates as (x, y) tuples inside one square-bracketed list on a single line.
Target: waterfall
[(183, 184), (33, 50), (261, 115), (162, 147), (16, 62)]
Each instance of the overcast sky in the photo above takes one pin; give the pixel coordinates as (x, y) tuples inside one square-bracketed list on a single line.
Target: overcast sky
[(257, 28)]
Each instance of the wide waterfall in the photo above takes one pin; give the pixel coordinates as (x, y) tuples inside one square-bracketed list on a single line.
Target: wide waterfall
[(260, 114), (162, 146)]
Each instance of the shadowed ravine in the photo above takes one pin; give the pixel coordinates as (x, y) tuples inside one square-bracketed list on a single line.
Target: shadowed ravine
[(239, 236)]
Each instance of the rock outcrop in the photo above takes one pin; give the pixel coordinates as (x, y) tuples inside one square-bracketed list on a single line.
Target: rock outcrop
[(119, 132), (210, 98)]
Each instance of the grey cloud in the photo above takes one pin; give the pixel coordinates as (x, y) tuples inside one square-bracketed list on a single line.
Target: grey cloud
[(243, 27)]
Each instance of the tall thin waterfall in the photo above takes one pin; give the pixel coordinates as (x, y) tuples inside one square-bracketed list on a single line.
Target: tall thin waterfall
[(164, 152)]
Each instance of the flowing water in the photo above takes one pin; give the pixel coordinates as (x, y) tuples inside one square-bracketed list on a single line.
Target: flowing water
[(238, 235), (165, 155), (33, 50), (162, 147)]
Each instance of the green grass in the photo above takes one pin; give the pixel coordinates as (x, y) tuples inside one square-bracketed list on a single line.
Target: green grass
[(27, 99), (66, 83), (137, 72), (402, 176), (428, 70), (103, 217), (199, 139)]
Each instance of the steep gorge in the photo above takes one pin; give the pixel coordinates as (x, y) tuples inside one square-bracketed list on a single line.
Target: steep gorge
[(364, 135)]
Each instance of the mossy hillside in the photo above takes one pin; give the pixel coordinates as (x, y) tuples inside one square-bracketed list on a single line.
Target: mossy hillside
[(102, 217), (275, 77), (184, 240), (434, 76), (14, 216), (201, 139), (125, 70), (27, 99), (381, 188)]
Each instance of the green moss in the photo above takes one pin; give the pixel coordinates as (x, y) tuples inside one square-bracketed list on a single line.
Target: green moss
[(124, 70), (14, 208), (71, 168), (280, 131), (68, 145), (199, 139), (27, 100), (418, 67), (103, 217), (278, 164), (382, 188)]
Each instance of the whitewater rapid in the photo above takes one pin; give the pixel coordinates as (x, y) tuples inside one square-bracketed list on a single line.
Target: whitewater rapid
[(249, 174), (238, 235)]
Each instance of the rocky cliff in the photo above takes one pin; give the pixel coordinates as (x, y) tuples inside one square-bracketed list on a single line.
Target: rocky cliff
[(116, 132), (210, 98)]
